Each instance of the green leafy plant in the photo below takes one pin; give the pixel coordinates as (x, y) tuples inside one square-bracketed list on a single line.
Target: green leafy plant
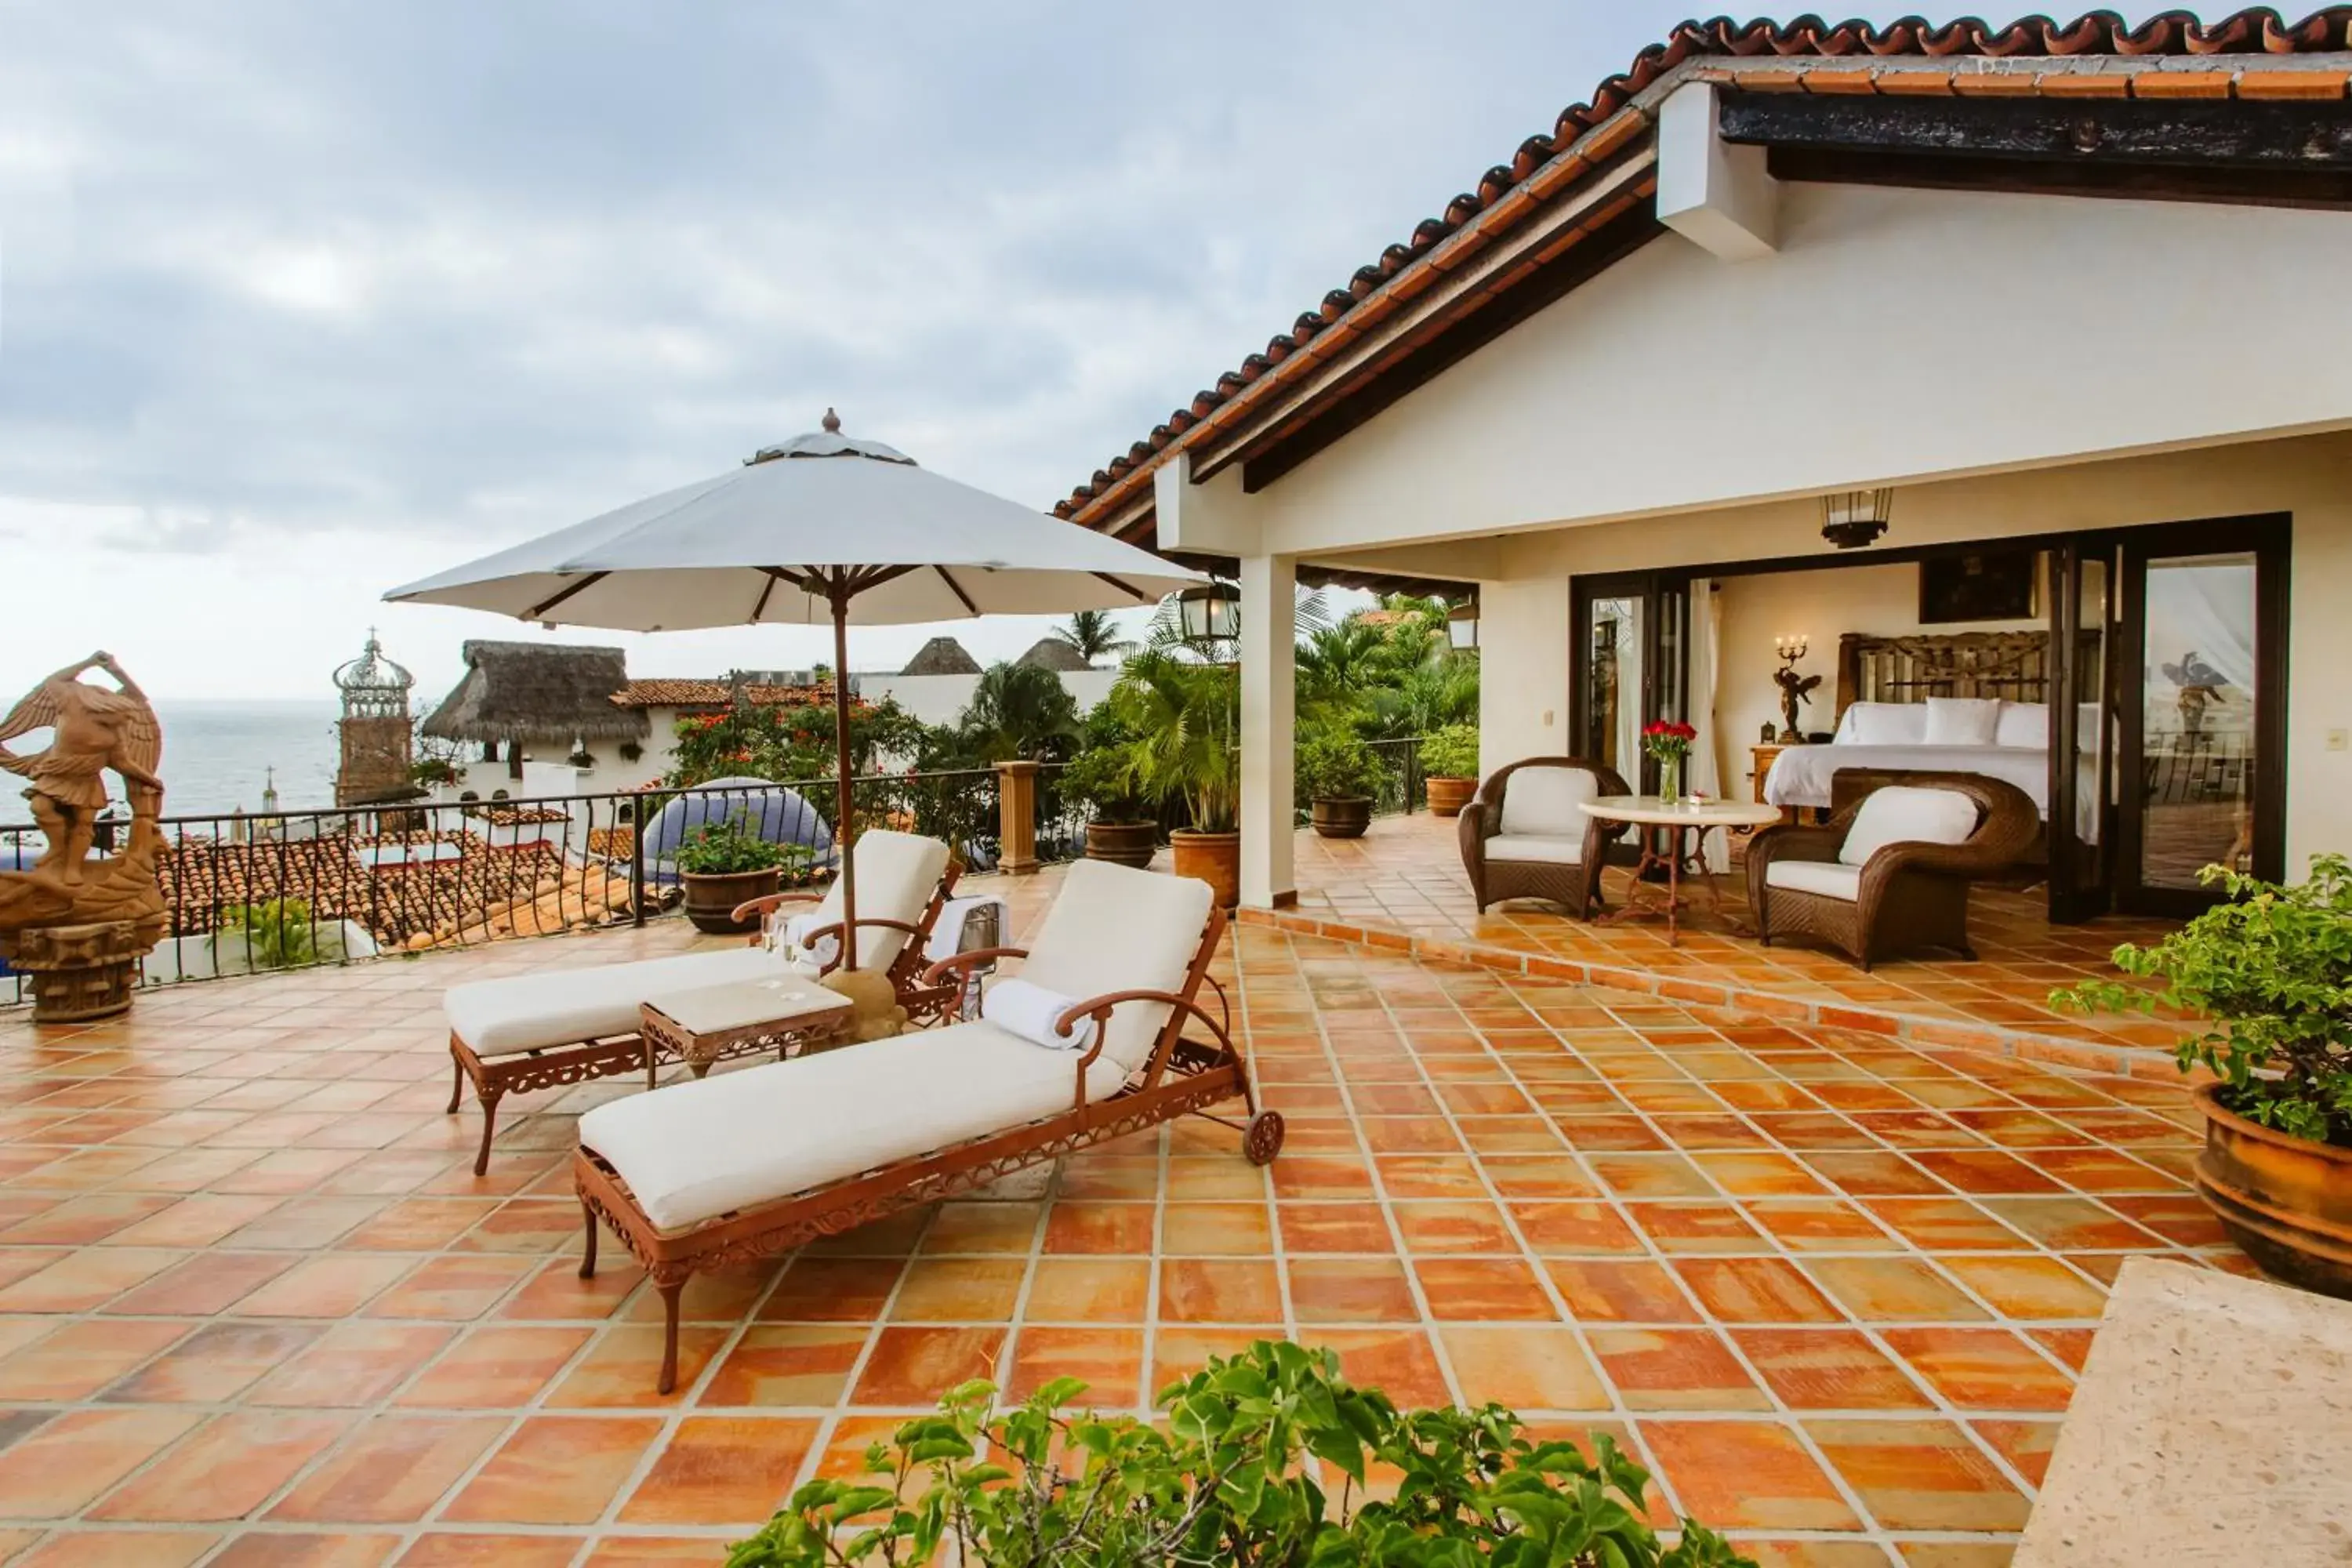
[(1018, 711), (1184, 717), (1095, 633), (1102, 779), (2270, 973), (278, 934), (1334, 763), (1451, 753), (730, 848), (1227, 1481)]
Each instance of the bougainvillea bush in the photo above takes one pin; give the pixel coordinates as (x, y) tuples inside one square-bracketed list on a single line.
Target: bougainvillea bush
[(791, 743), (1226, 1478)]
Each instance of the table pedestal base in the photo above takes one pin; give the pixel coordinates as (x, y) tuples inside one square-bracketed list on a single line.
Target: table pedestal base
[(1676, 849)]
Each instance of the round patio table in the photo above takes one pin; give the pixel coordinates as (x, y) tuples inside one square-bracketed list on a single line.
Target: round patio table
[(1673, 837)]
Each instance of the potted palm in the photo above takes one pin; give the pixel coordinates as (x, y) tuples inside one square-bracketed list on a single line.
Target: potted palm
[(2270, 973), (1119, 825), (1183, 716), (1449, 762), (1339, 776), (724, 865)]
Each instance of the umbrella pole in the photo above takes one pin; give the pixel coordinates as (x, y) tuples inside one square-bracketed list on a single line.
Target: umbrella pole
[(845, 807)]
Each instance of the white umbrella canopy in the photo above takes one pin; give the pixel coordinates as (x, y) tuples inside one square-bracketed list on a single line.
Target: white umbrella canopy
[(821, 529), (762, 543)]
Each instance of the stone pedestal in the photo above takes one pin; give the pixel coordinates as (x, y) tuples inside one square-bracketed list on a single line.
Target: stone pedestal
[(81, 972)]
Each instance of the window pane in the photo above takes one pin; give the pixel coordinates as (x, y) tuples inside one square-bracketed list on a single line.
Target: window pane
[(2196, 772)]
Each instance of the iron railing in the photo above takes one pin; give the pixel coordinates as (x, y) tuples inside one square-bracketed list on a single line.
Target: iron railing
[(293, 890), (246, 894)]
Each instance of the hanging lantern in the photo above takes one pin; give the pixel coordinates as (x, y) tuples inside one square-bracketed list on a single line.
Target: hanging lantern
[(1852, 519), (1210, 611), (1462, 627)]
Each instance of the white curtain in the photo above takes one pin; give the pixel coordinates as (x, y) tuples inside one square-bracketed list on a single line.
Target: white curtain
[(1705, 660)]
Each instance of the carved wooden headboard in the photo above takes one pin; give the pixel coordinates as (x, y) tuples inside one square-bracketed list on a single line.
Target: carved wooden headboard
[(1914, 668)]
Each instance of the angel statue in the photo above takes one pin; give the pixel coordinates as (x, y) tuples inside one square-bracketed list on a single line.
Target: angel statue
[(2200, 684), (1794, 689), (93, 730)]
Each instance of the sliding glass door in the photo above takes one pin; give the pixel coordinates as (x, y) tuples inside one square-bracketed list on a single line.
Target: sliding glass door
[(2083, 731)]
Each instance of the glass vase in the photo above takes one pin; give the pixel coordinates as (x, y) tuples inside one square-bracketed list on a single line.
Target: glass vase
[(1670, 780)]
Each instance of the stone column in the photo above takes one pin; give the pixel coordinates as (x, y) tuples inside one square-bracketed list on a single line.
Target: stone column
[(1269, 714), (1017, 806)]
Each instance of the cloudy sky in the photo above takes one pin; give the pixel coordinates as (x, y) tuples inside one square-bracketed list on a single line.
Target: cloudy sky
[(301, 300)]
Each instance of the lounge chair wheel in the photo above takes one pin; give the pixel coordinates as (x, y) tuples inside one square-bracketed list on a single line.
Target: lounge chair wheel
[(1262, 1140)]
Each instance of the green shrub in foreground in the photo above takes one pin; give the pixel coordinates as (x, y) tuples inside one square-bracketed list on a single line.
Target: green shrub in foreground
[(1221, 1480)]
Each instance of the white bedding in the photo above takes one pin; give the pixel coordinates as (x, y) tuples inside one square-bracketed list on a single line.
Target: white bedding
[(1801, 774)]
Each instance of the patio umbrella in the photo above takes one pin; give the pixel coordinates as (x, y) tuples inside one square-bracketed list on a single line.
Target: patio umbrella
[(824, 528)]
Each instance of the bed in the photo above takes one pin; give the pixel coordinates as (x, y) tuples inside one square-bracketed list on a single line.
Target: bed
[(1964, 702)]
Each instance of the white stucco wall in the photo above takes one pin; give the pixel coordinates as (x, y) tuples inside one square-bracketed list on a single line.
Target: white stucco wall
[(1897, 335)]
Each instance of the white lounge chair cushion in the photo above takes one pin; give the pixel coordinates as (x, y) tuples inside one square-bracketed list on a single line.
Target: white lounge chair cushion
[(1113, 928), (694, 1150), (1542, 802), (896, 875), (1826, 878), (691, 1152), (1907, 814), (564, 1007), (1558, 850)]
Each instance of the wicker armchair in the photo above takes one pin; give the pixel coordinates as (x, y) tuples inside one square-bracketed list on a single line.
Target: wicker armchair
[(1539, 846), (1905, 894)]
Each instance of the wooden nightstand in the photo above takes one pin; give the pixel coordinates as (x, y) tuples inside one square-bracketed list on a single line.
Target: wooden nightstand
[(1762, 758)]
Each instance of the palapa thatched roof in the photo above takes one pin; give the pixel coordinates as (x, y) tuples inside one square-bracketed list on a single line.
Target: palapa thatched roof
[(538, 691), (942, 655), (1053, 654)]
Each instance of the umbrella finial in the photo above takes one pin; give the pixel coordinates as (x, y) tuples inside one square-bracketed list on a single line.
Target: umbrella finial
[(831, 423)]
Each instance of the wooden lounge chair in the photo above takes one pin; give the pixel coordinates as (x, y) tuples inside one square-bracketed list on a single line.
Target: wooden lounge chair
[(721, 1172), (570, 1026)]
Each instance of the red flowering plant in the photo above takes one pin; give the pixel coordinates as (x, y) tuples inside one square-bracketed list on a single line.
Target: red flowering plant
[(1669, 740), (791, 743)]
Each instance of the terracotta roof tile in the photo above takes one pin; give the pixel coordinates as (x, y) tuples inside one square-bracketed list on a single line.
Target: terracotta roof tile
[(681, 693), (1585, 134)]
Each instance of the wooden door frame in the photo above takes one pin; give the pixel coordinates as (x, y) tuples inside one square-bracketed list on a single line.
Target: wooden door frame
[(1583, 591)]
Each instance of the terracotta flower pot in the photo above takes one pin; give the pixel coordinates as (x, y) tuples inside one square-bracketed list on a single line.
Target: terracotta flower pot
[(1122, 843), (1214, 857), (2286, 1201), (711, 901), (1448, 796), (1343, 819)]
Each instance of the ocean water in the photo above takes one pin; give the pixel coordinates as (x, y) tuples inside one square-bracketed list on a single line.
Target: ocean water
[(218, 756)]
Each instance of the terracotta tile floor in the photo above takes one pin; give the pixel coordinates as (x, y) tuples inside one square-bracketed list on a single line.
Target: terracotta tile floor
[(1406, 876), (254, 1308)]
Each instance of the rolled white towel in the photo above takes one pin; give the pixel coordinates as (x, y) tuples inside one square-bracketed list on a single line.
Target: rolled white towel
[(1029, 1011), (796, 939)]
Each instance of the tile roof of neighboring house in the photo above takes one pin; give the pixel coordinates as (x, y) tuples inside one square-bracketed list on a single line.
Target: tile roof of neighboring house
[(396, 901), (2171, 54), (676, 693)]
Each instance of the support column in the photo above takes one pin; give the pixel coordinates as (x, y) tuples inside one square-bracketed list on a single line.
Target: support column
[(1269, 715), (1016, 817)]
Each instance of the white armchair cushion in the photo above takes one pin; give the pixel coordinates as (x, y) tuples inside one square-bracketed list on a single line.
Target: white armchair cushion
[(1907, 813), (895, 874), (1541, 847), (1963, 720), (692, 1152), (565, 1007), (1823, 877), (1544, 801), (1882, 724), (2023, 724), (1113, 928)]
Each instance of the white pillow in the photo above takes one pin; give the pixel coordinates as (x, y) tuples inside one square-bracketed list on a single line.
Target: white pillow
[(1543, 802), (2023, 724), (1963, 720), (1882, 724), (1907, 814)]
